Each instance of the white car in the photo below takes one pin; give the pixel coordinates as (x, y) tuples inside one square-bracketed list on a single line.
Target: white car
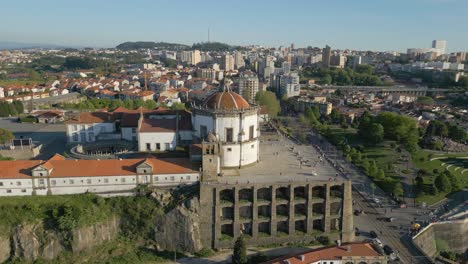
[(377, 242)]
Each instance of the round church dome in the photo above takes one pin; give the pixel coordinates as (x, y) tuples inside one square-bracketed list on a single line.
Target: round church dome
[(226, 100)]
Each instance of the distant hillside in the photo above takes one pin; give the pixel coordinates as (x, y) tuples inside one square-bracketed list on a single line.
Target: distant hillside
[(4, 45), (212, 46), (149, 45)]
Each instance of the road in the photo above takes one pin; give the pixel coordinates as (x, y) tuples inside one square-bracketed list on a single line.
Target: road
[(395, 233)]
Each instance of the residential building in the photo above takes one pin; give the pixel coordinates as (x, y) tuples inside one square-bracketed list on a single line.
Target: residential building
[(346, 253), (228, 62), (60, 176), (301, 104), (326, 56), (338, 61), (248, 85), (440, 46), (196, 57), (239, 61)]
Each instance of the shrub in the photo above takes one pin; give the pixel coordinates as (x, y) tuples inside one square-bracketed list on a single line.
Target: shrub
[(204, 253)]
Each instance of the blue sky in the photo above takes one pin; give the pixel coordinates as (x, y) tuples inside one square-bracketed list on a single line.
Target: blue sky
[(356, 24)]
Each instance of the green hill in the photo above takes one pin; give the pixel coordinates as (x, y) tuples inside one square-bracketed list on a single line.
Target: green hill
[(149, 45)]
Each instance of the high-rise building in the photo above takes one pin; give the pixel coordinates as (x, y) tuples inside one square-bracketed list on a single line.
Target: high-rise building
[(239, 61), (289, 85), (286, 67), (338, 61), (196, 57), (440, 46), (185, 56), (248, 85), (326, 55), (228, 62)]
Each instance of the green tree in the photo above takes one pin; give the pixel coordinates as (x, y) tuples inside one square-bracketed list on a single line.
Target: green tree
[(374, 134), (128, 104), (5, 136), (380, 175), (150, 104), (397, 189), (419, 182), (373, 169), (327, 79), (442, 183), (177, 106), (239, 255), (425, 100), (269, 100), (138, 103)]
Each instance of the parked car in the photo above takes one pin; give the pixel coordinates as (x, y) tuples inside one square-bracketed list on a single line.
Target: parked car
[(357, 212), (357, 232), (373, 234), (388, 250), (377, 242), (391, 219)]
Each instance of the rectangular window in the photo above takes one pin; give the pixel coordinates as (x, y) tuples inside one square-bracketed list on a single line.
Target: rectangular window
[(1, 183), (158, 146), (203, 132), (72, 182), (122, 180), (74, 127), (75, 137), (229, 149), (229, 134), (91, 136), (172, 178), (167, 146), (8, 191), (106, 180), (252, 146), (41, 182), (156, 178), (53, 182), (88, 181), (23, 190), (133, 130), (251, 132), (18, 183), (187, 177), (148, 146)]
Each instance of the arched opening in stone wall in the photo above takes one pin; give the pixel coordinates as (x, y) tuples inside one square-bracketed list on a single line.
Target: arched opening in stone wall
[(226, 196), (245, 212), (300, 210), (246, 229), (335, 208), (264, 229), (318, 209), (282, 193), (227, 231), (317, 224), (227, 213), (246, 195), (264, 212), (300, 226), (336, 191), (335, 224), (318, 192), (282, 227), (264, 194), (300, 193), (282, 210)]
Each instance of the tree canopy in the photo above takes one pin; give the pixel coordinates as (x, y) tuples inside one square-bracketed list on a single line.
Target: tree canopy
[(5, 136), (269, 100), (239, 255)]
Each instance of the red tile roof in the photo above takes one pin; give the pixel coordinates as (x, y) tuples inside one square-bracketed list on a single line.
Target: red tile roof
[(21, 169), (329, 253)]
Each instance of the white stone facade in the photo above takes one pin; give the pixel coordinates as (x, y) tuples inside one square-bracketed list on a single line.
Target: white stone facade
[(93, 184)]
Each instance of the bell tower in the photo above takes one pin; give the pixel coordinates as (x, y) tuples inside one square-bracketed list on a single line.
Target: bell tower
[(211, 162)]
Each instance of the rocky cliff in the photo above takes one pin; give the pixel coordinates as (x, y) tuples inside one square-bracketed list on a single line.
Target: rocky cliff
[(31, 241), (180, 228)]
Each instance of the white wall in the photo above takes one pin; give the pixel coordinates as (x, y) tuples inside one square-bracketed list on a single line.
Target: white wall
[(156, 137), (76, 185), (94, 128)]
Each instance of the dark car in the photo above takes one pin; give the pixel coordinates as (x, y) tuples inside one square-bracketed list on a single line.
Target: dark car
[(373, 234), (388, 250), (357, 231)]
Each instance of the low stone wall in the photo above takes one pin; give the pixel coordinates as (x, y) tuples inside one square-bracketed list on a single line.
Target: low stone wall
[(455, 233), (21, 154)]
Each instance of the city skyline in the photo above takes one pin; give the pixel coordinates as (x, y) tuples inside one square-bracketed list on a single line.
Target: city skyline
[(367, 25)]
